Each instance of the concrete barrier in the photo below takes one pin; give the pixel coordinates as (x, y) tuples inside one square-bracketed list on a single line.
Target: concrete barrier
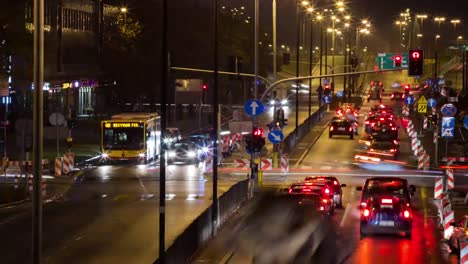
[(200, 230)]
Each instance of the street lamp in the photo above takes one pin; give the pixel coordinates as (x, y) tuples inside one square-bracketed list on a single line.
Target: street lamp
[(455, 22), (422, 17), (439, 20)]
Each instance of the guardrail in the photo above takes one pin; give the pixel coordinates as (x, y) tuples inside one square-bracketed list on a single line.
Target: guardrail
[(200, 230)]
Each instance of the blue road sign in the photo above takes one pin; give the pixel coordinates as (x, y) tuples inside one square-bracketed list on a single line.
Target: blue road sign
[(431, 102), (465, 122), (441, 81), (448, 110), (409, 100), (429, 81), (339, 94), (254, 107), (326, 99), (326, 81), (448, 127), (275, 136)]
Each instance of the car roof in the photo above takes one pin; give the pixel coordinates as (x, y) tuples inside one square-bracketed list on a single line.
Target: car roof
[(386, 179)]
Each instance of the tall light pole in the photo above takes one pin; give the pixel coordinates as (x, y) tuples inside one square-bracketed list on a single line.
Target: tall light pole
[(333, 18), (310, 10), (275, 52), (38, 112), (439, 20), (455, 22)]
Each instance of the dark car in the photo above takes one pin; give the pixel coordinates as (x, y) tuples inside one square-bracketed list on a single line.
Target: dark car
[(203, 142), (184, 152), (334, 184), (375, 95), (384, 148), (380, 109), (397, 96), (386, 206), (386, 130), (321, 190), (341, 127)]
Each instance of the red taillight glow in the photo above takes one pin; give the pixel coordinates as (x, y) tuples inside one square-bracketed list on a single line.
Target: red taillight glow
[(395, 142), (335, 183), (322, 208), (381, 119), (406, 214), (325, 200), (350, 129), (331, 128), (367, 122), (290, 190), (393, 95), (386, 201), (366, 212), (306, 190), (364, 204), (327, 191), (393, 150)]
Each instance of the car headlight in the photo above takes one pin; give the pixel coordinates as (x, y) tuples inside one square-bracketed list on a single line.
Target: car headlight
[(205, 150), (191, 154), (284, 102), (141, 155), (105, 155), (272, 102), (167, 140), (171, 154)]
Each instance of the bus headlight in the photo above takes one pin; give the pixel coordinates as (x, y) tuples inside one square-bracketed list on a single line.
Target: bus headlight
[(171, 154), (191, 154), (105, 155), (141, 155)]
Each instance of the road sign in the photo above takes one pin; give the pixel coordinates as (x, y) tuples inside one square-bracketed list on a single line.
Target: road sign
[(242, 163), (339, 94), (409, 100), (387, 60), (448, 110), (422, 108), (275, 136), (326, 99), (465, 122), (326, 81), (266, 164), (254, 107), (441, 81), (429, 81), (431, 102), (448, 127), (422, 100)]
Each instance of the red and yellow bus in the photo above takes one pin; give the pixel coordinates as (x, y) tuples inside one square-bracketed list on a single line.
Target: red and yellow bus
[(131, 136)]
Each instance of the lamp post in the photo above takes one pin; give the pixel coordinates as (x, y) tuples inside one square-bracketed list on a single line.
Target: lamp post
[(439, 20), (334, 19), (310, 10), (455, 22), (275, 52), (124, 11)]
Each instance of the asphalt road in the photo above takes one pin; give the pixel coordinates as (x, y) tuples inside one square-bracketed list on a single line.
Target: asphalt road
[(336, 157), (110, 215)]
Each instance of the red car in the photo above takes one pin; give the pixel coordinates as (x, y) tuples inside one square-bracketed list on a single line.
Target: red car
[(334, 185), (321, 190)]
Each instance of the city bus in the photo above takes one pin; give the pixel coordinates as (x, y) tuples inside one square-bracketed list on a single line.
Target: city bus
[(131, 136)]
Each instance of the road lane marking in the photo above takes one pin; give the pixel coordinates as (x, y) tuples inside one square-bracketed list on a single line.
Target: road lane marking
[(423, 192), (348, 208)]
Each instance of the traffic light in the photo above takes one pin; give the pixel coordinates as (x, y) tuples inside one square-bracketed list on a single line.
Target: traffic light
[(416, 62), (204, 92), (204, 87), (326, 91), (397, 59), (257, 140)]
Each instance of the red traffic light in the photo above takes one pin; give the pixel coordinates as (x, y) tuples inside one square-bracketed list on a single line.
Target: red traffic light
[(258, 132), (416, 55), (204, 87), (397, 58)]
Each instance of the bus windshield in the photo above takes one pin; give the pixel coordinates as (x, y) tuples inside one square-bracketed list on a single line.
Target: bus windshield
[(123, 138)]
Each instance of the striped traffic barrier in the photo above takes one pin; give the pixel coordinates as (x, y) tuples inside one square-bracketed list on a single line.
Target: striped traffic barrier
[(436, 137), (425, 123), (426, 161), (421, 156), (66, 164), (464, 251), (284, 163), (448, 219), (209, 164), (450, 179), (71, 159), (438, 188), (58, 166), (44, 187)]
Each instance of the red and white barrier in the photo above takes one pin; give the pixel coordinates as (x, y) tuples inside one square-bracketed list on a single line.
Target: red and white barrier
[(209, 164), (448, 219), (242, 163), (426, 161), (425, 123), (438, 188), (66, 165), (464, 252), (423, 159), (266, 164), (58, 166), (450, 179), (436, 137), (284, 163)]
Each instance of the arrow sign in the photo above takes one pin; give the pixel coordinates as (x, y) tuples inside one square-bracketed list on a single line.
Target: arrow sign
[(275, 136), (242, 163), (409, 100), (254, 107), (266, 164), (431, 102), (326, 99)]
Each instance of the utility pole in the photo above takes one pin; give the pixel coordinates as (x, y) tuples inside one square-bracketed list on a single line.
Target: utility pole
[(214, 216), (298, 24), (275, 51), (38, 75), (162, 159), (311, 49)]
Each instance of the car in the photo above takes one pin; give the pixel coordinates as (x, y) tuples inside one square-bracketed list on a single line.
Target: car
[(374, 95), (323, 191), (203, 142), (384, 148), (334, 185), (397, 96), (341, 127), (381, 108), (172, 135), (184, 152), (314, 201), (386, 206), (384, 130)]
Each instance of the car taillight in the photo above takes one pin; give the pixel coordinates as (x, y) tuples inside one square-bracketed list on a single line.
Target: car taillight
[(364, 204), (350, 128), (335, 183), (322, 208), (395, 142), (325, 200), (386, 201), (372, 124), (406, 214), (393, 150), (393, 128), (327, 191), (382, 119), (290, 190), (306, 190), (393, 95), (367, 122), (331, 128), (366, 212)]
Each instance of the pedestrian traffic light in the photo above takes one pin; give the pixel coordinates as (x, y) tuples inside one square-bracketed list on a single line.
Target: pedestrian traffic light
[(257, 140), (326, 91), (416, 62), (397, 59), (205, 87)]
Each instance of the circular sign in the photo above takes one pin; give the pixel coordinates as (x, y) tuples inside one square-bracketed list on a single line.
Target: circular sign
[(448, 110), (57, 119), (415, 54)]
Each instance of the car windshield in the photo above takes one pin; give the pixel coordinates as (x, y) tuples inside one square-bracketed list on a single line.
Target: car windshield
[(389, 187)]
